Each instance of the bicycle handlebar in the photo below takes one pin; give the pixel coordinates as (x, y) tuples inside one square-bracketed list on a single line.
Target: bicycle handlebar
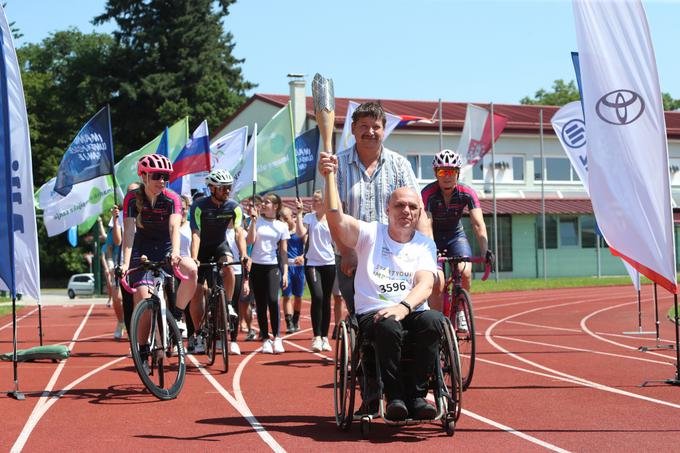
[(147, 266), (468, 259)]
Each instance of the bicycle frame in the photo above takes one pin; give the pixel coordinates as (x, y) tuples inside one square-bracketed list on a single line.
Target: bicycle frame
[(159, 276), (455, 282)]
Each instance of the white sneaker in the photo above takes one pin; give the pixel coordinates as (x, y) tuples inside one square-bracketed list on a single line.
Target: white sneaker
[(118, 333), (267, 347), (234, 349), (461, 320), (278, 346), (199, 344), (325, 345), (317, 344), (232, 312), (182, 326)]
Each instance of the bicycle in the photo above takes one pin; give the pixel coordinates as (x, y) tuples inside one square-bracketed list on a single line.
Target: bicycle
[(457, 306), (216, 318), (160, 360)]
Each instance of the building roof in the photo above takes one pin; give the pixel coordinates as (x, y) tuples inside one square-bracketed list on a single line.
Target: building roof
[(533, 206), (522, 119)]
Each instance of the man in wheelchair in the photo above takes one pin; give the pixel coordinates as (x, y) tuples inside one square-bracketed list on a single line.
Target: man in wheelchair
[(395, 274)]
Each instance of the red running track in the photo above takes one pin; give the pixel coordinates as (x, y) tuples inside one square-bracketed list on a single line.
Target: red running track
[(553, 372)]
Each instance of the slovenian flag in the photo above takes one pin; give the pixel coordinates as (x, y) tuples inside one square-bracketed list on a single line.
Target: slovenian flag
[(195, 156), (475, 140)]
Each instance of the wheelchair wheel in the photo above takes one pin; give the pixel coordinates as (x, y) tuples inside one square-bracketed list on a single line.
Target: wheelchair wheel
[(344, 382), (449, 362), (465, 331)]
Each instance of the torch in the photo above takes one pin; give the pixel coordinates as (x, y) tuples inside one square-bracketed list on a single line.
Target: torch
[(324, 110)]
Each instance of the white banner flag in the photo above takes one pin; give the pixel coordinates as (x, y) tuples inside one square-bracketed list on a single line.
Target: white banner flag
[(246, 174), (347, 139), (475, 140), (226, 152), (571, 132), (17, 156), (627, 158), (87, 199)]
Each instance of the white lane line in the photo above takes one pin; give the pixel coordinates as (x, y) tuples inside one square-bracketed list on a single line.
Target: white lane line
[(584, 326), (19, 319), (590, 351), (559, 374), (37, 413), (528, 324), (534, 301), (514, 432), (240, 406)]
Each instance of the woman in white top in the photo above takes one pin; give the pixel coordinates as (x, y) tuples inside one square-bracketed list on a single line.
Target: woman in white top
[(266, 233), (184, 228), (319, 268)]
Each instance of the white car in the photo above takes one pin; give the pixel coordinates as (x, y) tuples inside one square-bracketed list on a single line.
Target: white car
[(80, 285)]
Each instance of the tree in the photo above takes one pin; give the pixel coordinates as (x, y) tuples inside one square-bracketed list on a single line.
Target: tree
[(563, 93), (173, 59), (670, 104)]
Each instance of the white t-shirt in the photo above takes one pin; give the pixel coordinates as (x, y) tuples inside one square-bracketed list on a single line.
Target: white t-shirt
[(320, 251), (269, 233), (231, 240), (386, 269), (185, 240)]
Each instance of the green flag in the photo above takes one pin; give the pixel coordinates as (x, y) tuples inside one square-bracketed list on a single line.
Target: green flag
[(126, 169), (275, 154)]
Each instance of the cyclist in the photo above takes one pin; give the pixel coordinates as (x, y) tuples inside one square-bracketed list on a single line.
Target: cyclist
[(210, 217), (445, 200), (152, 217)]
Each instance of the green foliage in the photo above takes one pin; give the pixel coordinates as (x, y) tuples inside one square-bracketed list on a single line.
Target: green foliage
[(670, 104), (64, 84), (562, 93), (172, 59), (168, 59), (523, 284)]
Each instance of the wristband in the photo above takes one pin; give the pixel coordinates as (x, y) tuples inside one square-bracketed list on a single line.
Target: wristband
[(406, 304)]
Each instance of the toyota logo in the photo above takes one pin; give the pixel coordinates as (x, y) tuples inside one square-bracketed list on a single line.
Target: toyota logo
[(620, 107), (574, 133)]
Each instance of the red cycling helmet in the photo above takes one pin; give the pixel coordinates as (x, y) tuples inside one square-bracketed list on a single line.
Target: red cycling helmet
[(154, 163)]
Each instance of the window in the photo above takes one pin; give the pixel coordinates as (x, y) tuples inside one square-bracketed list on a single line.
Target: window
[(568, 231), (422, 165), (550, 232), (557, 169), (509, 169), (518, 169), (588, 235), (504, 252)]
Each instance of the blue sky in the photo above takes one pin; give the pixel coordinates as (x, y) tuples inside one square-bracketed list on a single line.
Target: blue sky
[(461, 51)]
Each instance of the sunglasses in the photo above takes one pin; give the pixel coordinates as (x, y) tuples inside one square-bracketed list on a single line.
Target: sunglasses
[(159, 176), (446, 172)]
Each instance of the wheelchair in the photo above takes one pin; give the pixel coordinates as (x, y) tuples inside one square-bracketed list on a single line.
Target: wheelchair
[(353, 358)]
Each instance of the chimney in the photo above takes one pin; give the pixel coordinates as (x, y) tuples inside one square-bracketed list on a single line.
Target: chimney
[(298, 101)]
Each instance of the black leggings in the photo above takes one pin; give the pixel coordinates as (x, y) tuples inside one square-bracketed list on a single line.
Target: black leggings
[(320, 280), (233, 321), (264, 279)]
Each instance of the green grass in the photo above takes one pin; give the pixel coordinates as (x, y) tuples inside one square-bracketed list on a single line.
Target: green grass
[(6, 309), (521, 284)]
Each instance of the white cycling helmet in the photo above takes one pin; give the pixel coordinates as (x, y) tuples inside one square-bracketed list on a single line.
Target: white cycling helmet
[(447, 158), (219, 177)]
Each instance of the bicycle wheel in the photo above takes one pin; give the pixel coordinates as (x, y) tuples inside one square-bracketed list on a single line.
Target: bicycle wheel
[(223, 328), (161, 369), (449, 362), (210, 327), (464, 321)]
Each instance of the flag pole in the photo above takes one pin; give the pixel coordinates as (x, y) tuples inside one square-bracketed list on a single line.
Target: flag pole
[(441, 127), (493, 185), (545, 252), (292, 134), (113, 159)]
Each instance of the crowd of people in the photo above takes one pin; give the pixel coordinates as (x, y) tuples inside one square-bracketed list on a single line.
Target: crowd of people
[(377, 250)]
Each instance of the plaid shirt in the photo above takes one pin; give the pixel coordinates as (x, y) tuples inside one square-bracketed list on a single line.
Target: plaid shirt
[(365, 197)]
